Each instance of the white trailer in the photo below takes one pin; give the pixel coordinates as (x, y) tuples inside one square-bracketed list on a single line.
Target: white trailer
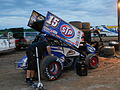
[(108, 31), (7, 42)]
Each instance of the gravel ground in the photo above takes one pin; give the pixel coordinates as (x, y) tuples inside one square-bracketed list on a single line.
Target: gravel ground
[(105, 77)]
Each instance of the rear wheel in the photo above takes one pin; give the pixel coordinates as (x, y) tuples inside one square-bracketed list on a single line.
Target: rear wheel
[(92, 61), (51, 68)]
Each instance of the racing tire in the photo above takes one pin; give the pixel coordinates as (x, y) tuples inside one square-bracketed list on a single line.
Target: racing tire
[(51, 68), (77, 24), (100, 49), (107, 51), (115, 44), (85, 25), (92, 61)]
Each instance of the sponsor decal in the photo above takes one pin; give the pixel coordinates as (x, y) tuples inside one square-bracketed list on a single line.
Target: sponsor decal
[(67, 31), (62, 30)]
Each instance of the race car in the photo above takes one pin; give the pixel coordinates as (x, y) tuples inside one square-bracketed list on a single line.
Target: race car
[(63, 56), (66, 51)]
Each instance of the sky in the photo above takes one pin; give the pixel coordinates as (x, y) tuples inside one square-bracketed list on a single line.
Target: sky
[(16, 13)]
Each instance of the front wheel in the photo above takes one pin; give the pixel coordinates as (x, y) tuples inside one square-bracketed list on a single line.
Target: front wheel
[(92, 61), (51, 68)]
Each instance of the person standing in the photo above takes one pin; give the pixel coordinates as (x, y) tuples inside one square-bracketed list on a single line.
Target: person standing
[(42, 44)]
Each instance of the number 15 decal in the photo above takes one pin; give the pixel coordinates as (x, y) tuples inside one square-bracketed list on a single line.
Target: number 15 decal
[(53, 21)]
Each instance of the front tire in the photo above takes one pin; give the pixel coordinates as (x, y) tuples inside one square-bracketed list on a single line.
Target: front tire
[(51, 68), (92, 61)]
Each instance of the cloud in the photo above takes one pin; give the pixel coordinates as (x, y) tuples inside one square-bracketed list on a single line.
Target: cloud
[(13, 21), (93, 11)]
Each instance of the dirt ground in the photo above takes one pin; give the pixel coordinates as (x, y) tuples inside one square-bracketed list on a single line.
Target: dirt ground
[(105, 77)]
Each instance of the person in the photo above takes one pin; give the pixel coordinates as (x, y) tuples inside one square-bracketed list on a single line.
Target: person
[(42, 44)]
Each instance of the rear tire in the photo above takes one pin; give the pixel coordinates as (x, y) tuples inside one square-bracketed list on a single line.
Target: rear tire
[(51, 68)]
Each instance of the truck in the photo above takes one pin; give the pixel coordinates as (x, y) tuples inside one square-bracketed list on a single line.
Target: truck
[(22, 38), (7, 42)]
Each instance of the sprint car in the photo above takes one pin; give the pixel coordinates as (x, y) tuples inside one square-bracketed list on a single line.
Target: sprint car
[(63, 57), (64, 40)]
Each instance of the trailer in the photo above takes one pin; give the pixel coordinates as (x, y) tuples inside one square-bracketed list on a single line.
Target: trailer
[(7, 42), (106, 31)]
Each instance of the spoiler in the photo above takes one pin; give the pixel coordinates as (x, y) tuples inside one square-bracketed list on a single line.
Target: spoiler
[(62, 30), (36, 21)]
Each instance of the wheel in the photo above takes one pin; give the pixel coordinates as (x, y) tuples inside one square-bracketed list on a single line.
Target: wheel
[(92, 61), (100, 49), (85, 25), (77, 24), (51, 68), (115, 44), (107, 51)]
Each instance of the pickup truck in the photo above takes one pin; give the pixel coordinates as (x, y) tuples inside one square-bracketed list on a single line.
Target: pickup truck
[(24, 39), (7, 42)]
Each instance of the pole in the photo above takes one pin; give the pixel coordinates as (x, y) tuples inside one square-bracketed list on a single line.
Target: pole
[(118, 7), (39, 85)]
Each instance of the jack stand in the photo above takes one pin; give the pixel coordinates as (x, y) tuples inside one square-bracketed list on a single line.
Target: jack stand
[(39, 85)]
